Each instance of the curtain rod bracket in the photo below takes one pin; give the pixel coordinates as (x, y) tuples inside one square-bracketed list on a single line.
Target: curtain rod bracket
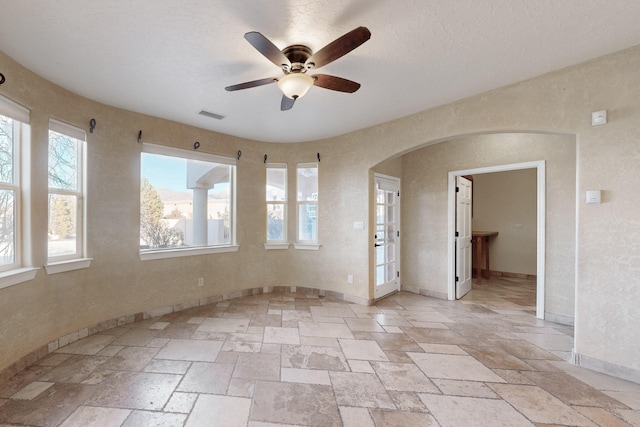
[(92, 125), (139, 136)]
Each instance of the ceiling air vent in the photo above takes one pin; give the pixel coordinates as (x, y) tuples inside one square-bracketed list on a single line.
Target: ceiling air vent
[(212, 115)]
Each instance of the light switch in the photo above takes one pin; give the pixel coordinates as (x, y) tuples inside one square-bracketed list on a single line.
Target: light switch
[(599, 118), (593, 196)]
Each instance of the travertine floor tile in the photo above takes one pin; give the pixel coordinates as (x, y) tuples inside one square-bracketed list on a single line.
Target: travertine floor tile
[(31, 391), (455, 411), (401, 419), (258, 366), (238, 325), (204, 377), (355, 417), (147, 418), (89, 345), (362, 350), (284, 359), (305, 376), (309, 357), (281, 335), (233, 410), (89, 416), (304, 404), (464, 388), (152, 391), (403, 377), (181, 402), (455, 367), (325, 330), (192, 350), (360, 390), (539, 406)]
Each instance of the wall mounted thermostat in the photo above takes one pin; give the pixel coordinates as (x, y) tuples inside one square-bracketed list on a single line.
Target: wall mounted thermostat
[(593, 196)]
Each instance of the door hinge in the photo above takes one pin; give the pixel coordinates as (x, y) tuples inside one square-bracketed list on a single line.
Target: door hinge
[(457, 279), (398, 194), (457, 234), (397, 274), (457, 189), (398, 233)]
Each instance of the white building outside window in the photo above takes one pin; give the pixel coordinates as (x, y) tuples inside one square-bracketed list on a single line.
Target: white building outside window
[(187, 201)]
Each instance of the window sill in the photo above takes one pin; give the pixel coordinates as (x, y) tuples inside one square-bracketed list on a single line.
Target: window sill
[(176, 253), (306, 246), (62, 266), (19, 275), (276, 246)]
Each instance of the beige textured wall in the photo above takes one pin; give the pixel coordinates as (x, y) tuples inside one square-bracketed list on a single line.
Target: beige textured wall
[(425, 210), (506, 202), (118, 283)]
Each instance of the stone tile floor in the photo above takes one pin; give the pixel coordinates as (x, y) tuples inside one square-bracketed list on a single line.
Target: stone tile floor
[(285, 359)]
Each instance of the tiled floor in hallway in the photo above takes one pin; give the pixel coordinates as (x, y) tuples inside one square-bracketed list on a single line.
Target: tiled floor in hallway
[(286, 359)]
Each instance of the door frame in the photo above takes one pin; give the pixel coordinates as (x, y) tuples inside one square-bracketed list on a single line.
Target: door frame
[(540, 225), (398, 181)]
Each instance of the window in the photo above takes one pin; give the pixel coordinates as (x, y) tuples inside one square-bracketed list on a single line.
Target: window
[(66, 192), (14, 121), (276, 203), (187, 200), (307, 188)]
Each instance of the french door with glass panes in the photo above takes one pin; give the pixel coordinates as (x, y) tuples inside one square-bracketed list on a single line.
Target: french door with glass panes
[(387, 235)]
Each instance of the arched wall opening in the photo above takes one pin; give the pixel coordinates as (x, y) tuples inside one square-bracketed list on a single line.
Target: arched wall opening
[(424, 174)]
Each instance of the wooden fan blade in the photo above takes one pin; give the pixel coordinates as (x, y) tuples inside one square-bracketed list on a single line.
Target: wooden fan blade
[(286, 103), (335, 83), (251, 84), (268, 49), (340, 46)]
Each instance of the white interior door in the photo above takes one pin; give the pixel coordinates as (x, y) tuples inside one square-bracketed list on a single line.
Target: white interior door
[(387, 236), (463, 236)]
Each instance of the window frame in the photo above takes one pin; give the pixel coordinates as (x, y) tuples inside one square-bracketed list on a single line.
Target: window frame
[(232, 246), (66, 262), (281, 243), (20, 117), (307, 244)]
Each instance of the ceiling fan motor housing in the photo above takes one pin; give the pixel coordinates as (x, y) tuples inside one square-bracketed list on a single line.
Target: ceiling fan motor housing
[(297, 54)]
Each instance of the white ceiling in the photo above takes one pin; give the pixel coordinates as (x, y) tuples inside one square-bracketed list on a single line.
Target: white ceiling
[(172, 59)]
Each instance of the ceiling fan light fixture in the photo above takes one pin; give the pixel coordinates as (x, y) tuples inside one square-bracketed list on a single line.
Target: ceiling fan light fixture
[(295, 85)]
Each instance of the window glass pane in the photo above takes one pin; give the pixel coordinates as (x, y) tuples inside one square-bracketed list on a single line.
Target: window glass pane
[(184, 202), (307, 183), (7, 227), (275, 222), (390, 271), (276, 184), (380, 214), (307, 222), (6, 149), (379, 275), (62, 224), (63, 161)]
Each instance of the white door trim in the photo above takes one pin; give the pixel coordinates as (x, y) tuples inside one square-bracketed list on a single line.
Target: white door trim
[(541, 229), (395, 183)]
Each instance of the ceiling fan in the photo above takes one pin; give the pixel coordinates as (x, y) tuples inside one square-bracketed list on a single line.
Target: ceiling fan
[(297, 60)]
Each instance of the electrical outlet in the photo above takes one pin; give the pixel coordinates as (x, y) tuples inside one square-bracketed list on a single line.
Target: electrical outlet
[(201, 281), (350, 279)]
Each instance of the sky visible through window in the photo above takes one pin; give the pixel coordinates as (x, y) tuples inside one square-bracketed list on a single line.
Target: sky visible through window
[(165, 172)]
